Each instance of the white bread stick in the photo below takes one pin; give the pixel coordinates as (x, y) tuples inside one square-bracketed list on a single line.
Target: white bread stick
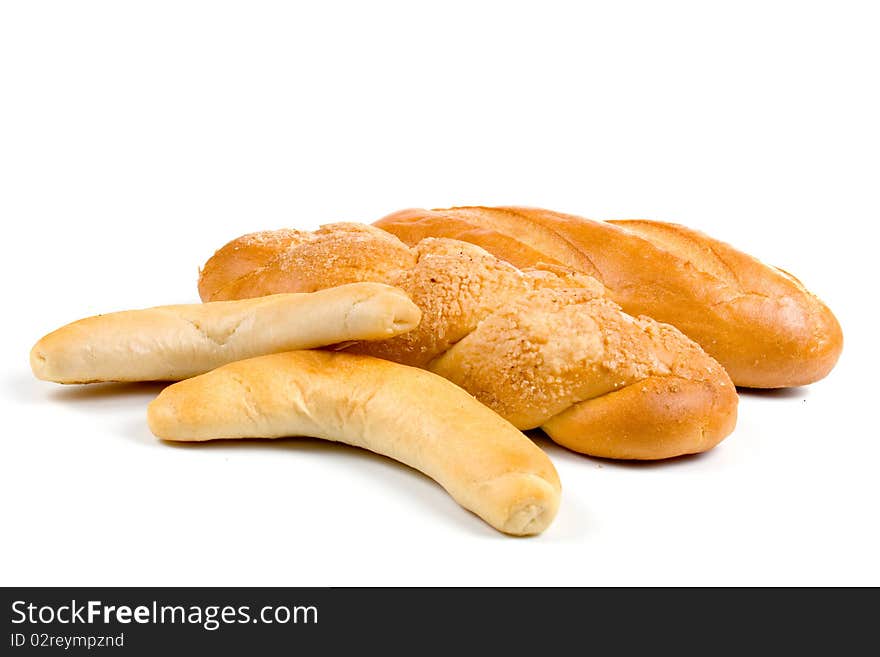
[(169, 343), (402, 412)]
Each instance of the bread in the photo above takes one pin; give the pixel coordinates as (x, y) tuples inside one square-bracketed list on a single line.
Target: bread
[(541, 347), (405, 413), (758, 321), (176, 342)]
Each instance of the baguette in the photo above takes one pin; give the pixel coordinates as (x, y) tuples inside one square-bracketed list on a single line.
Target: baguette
[(759, 322), (407, 414), (542, 347), (176, 342)]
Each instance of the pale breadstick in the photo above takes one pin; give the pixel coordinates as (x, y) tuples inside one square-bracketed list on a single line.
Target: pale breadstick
[(169, 343), (407, 414)]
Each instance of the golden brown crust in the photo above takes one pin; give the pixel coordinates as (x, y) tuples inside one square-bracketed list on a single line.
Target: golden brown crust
[(301, 261), (792, 338), (248, 252), (761, 324), (688, 417), (530, 344), (402, 412), (517, 362)]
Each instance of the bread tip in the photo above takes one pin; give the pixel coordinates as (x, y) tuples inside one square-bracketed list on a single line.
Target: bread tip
[(535, 506), (529, 519), (390, 312), (402, 325), (161, 418), (406, 318), (40, 362)]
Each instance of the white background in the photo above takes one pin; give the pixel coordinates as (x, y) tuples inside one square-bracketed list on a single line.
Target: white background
[(136, 138)]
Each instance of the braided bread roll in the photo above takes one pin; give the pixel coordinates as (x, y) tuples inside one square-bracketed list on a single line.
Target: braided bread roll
[(761, 323), (542, 347)]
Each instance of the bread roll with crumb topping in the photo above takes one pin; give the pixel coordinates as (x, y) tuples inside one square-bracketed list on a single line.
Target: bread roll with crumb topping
[(543, 347), (758, 321)]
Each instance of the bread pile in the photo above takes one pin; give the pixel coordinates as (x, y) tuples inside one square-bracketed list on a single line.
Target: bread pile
[(437, 337)]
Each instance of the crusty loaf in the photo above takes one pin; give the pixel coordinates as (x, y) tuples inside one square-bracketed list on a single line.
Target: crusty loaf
[(761, 324), (541, 347), (405, 413), (176, 342)]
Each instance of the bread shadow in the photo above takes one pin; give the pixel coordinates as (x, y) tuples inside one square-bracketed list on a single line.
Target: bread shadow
[(556, 451), (776, 393), (427, 494), (26, 389), (104, 391), (20, 387), (139, 431)]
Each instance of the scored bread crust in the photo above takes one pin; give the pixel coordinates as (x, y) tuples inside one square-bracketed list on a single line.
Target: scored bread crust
[(759, 322), (169, 343), (532, 345), (407, 414)]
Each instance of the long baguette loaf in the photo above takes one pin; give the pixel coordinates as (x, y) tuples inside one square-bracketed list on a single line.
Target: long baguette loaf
[(759, 322), (176, 342), (405, 413), (541, 347)]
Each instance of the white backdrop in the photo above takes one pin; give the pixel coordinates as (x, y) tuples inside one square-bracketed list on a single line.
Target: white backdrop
[(136, 138)]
